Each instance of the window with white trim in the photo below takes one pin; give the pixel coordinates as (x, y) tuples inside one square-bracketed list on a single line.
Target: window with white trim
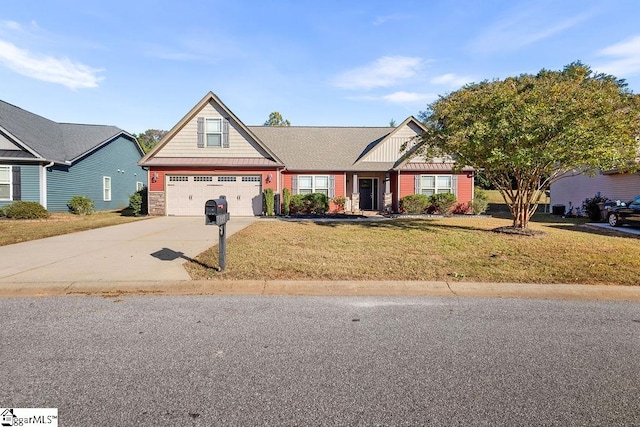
[(5, 182), (213, 132), (308, 184), (106, 188), (436, 184), (139, 185)]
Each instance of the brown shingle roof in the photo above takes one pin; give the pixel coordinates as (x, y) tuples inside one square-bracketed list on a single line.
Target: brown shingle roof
[(322, 148)]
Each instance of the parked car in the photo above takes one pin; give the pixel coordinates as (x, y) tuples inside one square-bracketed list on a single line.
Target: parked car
[(624, 213)]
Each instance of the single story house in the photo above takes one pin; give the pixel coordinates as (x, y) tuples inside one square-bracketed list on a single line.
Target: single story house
[(211, 152), (575, 188), (48, 162)]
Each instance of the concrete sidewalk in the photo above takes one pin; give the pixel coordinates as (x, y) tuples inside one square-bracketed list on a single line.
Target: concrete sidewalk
[(147, 250)]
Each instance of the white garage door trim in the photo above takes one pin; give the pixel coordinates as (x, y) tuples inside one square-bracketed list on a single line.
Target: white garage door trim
[(187, 194)]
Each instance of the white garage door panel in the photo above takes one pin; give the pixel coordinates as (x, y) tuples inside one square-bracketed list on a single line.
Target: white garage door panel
[(187, 194)]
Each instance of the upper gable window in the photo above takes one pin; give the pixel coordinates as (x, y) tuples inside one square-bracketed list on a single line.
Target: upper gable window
[(213, 129)]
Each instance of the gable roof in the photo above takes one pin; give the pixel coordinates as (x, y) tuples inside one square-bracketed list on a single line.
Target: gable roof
[(56, 142), (148, 159), (321, 148)]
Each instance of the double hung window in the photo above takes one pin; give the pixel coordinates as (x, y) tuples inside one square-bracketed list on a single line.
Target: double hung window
[(436, 184)]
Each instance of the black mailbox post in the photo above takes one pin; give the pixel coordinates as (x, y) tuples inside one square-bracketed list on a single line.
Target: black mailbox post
[(215, 213)]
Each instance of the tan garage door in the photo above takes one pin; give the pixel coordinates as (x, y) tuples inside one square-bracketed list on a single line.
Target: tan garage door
[(187, 194)]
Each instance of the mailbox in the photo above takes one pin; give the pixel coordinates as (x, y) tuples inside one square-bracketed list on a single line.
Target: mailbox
[(215, 211)]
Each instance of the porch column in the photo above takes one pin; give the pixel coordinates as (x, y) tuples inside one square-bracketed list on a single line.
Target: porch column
[(388, 196), (355, 195)]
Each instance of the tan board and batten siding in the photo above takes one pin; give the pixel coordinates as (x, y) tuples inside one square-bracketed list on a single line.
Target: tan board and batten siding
[(183, 144), (389, 149)]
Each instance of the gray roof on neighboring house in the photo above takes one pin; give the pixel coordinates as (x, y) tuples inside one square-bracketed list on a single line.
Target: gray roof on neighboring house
[(306, 147), (58, 142)]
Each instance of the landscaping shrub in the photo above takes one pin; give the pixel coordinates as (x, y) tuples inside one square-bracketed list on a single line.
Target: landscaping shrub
[(135, 203), (317, 203), (461, 208), (414, 204), (286, 201), (298, 204), (480, 202), (442, 203), (339, 201), (591, 207), (314, 203), (80, 205), (26, 210), (2, 212), (269, 201)]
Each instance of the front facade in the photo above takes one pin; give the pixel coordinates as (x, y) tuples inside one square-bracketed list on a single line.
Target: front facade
[(49, 163), (210, 153)]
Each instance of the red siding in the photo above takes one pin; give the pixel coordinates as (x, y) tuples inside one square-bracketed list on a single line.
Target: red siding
[(465, 185), (339, 180), (158, 185)]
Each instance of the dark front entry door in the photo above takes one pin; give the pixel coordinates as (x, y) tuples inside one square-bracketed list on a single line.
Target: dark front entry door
[(368, 189)]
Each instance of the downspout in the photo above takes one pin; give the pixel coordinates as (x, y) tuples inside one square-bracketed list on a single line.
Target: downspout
[(43, 184), (398, 192)]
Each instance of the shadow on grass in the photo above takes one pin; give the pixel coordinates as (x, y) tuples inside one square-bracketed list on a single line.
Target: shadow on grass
[(588, 229)]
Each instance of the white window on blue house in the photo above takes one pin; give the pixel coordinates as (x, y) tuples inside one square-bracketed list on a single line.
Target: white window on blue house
[(435, 184), (5, 182), (139, 186), (106, 188)]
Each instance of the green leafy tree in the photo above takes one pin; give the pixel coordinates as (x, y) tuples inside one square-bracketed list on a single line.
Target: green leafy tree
[(150, 138), (528, 131), (276, 119)]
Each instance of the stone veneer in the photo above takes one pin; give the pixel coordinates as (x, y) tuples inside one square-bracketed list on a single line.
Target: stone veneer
[(156, 203)]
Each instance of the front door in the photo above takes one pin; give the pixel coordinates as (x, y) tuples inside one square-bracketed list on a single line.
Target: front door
[(368, 189)]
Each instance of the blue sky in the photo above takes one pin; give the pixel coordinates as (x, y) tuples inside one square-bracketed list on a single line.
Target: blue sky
[(142, 64)]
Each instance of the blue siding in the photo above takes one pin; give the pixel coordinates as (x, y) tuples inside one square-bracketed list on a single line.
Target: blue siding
[(116, 159), (29, 183)]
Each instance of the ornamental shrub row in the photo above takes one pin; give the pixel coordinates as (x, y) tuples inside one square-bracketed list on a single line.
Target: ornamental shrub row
[(443, 203), (314, 203)]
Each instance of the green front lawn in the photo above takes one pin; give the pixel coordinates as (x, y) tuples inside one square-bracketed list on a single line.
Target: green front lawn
[(457, 248)]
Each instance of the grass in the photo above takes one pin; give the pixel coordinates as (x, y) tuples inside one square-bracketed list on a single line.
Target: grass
[(21, 230), (457, 248)]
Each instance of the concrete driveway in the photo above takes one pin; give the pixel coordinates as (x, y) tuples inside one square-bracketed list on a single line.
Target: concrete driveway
[(148, 250)]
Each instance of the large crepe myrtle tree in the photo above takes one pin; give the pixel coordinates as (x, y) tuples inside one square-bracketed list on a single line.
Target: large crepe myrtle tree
[(528, 131)]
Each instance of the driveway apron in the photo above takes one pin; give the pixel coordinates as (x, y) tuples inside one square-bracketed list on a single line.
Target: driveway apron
[(147, 250)]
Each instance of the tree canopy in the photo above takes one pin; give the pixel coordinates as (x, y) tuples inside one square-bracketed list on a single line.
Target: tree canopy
[(276, 119), (528, 131), (150, 138)]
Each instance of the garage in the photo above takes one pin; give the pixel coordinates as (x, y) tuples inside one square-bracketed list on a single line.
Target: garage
[(186, 194)]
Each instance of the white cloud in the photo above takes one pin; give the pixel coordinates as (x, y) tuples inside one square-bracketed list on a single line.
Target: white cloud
[(452, 80), (47, 68), (390, 18), (627, 54), (383, 72), (402, 97), (523, 27), (399, 97)]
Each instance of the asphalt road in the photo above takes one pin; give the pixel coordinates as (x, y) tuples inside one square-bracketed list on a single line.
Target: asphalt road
[(233, 360)]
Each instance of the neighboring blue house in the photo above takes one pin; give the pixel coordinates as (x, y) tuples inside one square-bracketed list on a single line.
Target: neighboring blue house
[(48, 162)]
